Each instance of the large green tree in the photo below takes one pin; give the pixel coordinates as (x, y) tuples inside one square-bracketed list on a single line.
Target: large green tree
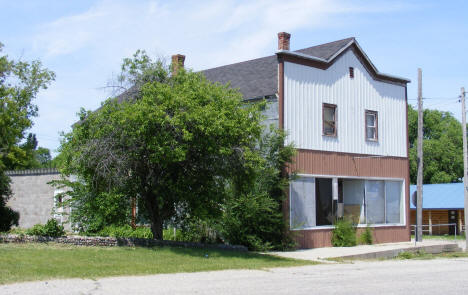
[(20, 82), (176, 143), (442, 146)]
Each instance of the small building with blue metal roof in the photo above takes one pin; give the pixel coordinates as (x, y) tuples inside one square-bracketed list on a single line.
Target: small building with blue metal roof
[(443, 204)]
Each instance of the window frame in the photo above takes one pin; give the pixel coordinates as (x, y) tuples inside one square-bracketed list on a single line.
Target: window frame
[(329, 105), (403, 204), (376, 121)]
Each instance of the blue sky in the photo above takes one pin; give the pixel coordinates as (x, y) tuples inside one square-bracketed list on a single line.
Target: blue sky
[(85, 41)]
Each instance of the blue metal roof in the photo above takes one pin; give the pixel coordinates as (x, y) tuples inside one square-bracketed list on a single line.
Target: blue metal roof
[(441, 196)]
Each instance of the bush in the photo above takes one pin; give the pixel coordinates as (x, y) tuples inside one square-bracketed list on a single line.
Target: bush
[(125, 231), (344, 234), (253, 212), (94, 210), (199, 231), (50, 229), (366, 237), (253, 220), (8, 217)]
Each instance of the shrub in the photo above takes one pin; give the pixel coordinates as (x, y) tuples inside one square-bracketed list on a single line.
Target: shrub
[(17, 231), (344, 234), (50, 229), (8, 217), (253, 220), (36, 230), (253, 211), (125, 231), (366, 236), (94, 210), (199, 231), (168, 234)]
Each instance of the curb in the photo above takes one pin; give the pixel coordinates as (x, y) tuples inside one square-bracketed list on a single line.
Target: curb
[(432, 249)]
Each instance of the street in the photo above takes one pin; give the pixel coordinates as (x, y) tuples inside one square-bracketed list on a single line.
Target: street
[(439, 276)]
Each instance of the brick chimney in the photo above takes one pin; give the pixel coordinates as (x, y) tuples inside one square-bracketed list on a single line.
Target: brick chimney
[(283, 40), (177, 62)]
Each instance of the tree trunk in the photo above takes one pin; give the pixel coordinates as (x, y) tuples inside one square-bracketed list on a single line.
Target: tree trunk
[(157, 228), (155, 216)]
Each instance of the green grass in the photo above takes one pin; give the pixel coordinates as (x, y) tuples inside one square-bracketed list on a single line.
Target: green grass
[(442, 237), (29, 262), (421, 255)]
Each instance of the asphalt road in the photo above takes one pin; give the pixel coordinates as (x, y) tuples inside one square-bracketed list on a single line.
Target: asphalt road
[(441, 276)]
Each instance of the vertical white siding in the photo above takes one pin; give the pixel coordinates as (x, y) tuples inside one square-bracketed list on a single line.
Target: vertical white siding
[(306, 88)]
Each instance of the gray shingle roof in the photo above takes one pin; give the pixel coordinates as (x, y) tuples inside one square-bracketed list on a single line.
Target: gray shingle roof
[(253, 78), (327, 50), (258, 77)]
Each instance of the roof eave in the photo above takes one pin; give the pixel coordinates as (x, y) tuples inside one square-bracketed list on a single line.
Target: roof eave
[(301, 55), (334, 56)]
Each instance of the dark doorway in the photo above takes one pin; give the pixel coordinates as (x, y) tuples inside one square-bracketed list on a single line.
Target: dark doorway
[(453, 218), (324, 202)]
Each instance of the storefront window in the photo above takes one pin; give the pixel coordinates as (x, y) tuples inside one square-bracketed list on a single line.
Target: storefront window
[(318, 202), (353, 198), (393, 201), (375, 201), (303, 203)]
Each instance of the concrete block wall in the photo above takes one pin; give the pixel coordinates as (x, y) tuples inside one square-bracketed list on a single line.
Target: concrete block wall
[(32, 196)]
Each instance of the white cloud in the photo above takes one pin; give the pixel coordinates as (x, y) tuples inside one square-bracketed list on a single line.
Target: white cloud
[(88, 47), (201, 29)]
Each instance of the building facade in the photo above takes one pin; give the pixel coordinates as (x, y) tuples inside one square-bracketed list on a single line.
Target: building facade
[(349, 124)]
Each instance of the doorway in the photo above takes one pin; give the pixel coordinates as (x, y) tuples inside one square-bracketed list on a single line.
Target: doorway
[(453, 218)]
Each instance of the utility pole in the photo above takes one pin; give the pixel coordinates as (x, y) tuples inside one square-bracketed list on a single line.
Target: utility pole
[(420, 161), (465, 161)]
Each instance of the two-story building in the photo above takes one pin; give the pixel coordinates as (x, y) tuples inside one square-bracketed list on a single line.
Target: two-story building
[(349, 124)]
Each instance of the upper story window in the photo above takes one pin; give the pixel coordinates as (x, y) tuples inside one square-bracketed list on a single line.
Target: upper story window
[(371, 125), (329, 119)]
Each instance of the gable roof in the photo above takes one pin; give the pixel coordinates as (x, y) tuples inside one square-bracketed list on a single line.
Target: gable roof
[(258, 77), (254, 78), (441, 196)]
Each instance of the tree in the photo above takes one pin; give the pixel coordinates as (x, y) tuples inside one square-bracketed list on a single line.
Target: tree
[(28, 155), (43, 157), (19, 84), (253, 216), (93, 210), (174, 144), (443, 157)]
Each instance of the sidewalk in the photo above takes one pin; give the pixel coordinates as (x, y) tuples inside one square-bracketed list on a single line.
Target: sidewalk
[(388, 250)]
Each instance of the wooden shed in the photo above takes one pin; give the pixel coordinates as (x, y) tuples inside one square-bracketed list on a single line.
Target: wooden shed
[(443, 204)]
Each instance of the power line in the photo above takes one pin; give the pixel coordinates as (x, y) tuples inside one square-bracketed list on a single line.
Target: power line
[(435, 98), (442, 103)]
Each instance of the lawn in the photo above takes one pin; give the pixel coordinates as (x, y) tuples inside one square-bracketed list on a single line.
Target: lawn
[(421, 255), (442, 237), (30, 262)]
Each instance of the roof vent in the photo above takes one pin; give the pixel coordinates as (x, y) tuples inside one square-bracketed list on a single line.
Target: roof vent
[(351, 72)]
